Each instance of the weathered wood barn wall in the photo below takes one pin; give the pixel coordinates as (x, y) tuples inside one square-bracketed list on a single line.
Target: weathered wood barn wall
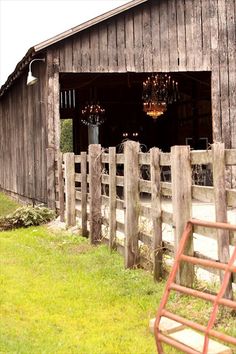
[(24, 139), (143, 36)]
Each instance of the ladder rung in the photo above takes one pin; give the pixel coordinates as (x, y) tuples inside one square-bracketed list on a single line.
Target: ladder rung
[(201, 295), (207, 263), (198, 327)]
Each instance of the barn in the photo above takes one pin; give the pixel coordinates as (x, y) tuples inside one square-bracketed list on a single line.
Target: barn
[(107, 60)]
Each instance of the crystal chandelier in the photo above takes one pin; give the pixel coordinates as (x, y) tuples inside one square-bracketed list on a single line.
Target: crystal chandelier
[(158, 92), (93, 115)]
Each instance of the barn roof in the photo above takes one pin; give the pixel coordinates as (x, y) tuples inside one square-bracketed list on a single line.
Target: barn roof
[(45, 44)]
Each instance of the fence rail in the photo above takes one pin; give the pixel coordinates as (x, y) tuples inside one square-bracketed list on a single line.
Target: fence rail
[(134, 183)]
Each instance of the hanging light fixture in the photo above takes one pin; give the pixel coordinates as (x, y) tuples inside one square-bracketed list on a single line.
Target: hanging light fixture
[(31, 80), (158, 92), (93, 115)]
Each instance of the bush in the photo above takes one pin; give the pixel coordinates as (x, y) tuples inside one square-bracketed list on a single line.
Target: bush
[(27, 216)]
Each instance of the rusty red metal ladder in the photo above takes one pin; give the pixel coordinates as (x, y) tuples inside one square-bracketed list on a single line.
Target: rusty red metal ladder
[(217, 300)]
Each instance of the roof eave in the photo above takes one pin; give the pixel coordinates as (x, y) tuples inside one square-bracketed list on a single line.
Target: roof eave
[(88, 24)]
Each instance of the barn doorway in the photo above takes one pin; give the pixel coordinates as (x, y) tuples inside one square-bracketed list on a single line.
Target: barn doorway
[(187, 122)]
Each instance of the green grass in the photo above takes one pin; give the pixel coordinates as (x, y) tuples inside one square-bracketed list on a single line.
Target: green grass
[(7, 205), (61, 295)]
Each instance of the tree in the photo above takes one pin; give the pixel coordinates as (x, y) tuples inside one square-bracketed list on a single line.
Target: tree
[(66, 144)]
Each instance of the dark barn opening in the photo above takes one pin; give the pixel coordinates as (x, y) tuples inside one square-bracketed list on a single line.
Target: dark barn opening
[(186, 122)]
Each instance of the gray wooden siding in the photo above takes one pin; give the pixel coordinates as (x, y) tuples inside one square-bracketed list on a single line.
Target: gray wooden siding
[(166, 36), (23, 139)]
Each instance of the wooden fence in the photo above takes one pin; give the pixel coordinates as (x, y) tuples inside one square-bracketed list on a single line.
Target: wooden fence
[(121, 181)]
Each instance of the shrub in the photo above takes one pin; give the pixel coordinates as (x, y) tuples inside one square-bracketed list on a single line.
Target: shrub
[(26, 216)]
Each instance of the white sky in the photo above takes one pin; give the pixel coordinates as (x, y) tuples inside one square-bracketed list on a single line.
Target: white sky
[(25, 23)]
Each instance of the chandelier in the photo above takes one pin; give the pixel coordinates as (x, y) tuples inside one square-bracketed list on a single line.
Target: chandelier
[(158, 92), (93, 115)]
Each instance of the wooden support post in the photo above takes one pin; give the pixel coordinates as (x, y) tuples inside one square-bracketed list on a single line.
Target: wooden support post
[(112, 197), (95, 172), (61, 186), (156, 212), (84, 193), (218, 162), (51, 195), (70, 188), (131, 187), (181, 178)]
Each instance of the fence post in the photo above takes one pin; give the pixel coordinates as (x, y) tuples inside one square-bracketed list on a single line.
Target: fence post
[(112, 197), (131, 188), (83, 169), (95, 174), (156, 212), (70, 188), (218, 164), (51, 197), (61, 186), (181, 179)]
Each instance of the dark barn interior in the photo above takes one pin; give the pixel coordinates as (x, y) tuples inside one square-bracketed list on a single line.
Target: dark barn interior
[(187, 121)]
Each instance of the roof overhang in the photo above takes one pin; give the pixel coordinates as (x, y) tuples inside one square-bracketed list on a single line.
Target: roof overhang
[(45, 44)]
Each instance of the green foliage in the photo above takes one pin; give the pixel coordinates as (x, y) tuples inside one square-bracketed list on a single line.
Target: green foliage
[(66, 135), (26, 216), (7, 205), (61, 295)]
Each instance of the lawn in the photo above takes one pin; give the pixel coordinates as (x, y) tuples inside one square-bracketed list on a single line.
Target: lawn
[(61, 295), (7, 205)]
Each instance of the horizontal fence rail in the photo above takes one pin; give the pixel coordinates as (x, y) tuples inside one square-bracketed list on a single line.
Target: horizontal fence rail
[(117, 192)]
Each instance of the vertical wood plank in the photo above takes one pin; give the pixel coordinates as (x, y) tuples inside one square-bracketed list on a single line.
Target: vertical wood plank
[(189, 35), (218, 162), (103, 47), (165, 64), (121, 43), (129, 41), (197, 34), (224, 74), (76, 55), (231, 34), (181, 35), (112, 48), (50, 131), (61, 186), (51, 178), (68, 48), (95, 172), (156, 212), (206, 36), (147, 39), (138, 41), (83, 167), (112, 197), (156, 46), (131, 182), (70, 188), (215, 80), (94, 49), (173, 38), (62, 57), (56, 101), (85, 52), (181, 176)]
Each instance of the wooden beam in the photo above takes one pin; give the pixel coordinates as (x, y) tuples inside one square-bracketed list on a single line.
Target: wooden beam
[(131, 175), (95, 172), (182, 206)]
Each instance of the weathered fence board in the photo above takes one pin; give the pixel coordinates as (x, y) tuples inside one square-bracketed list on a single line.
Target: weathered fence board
[(182, 205), (95, 171), (127, 208), (131, 173)]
